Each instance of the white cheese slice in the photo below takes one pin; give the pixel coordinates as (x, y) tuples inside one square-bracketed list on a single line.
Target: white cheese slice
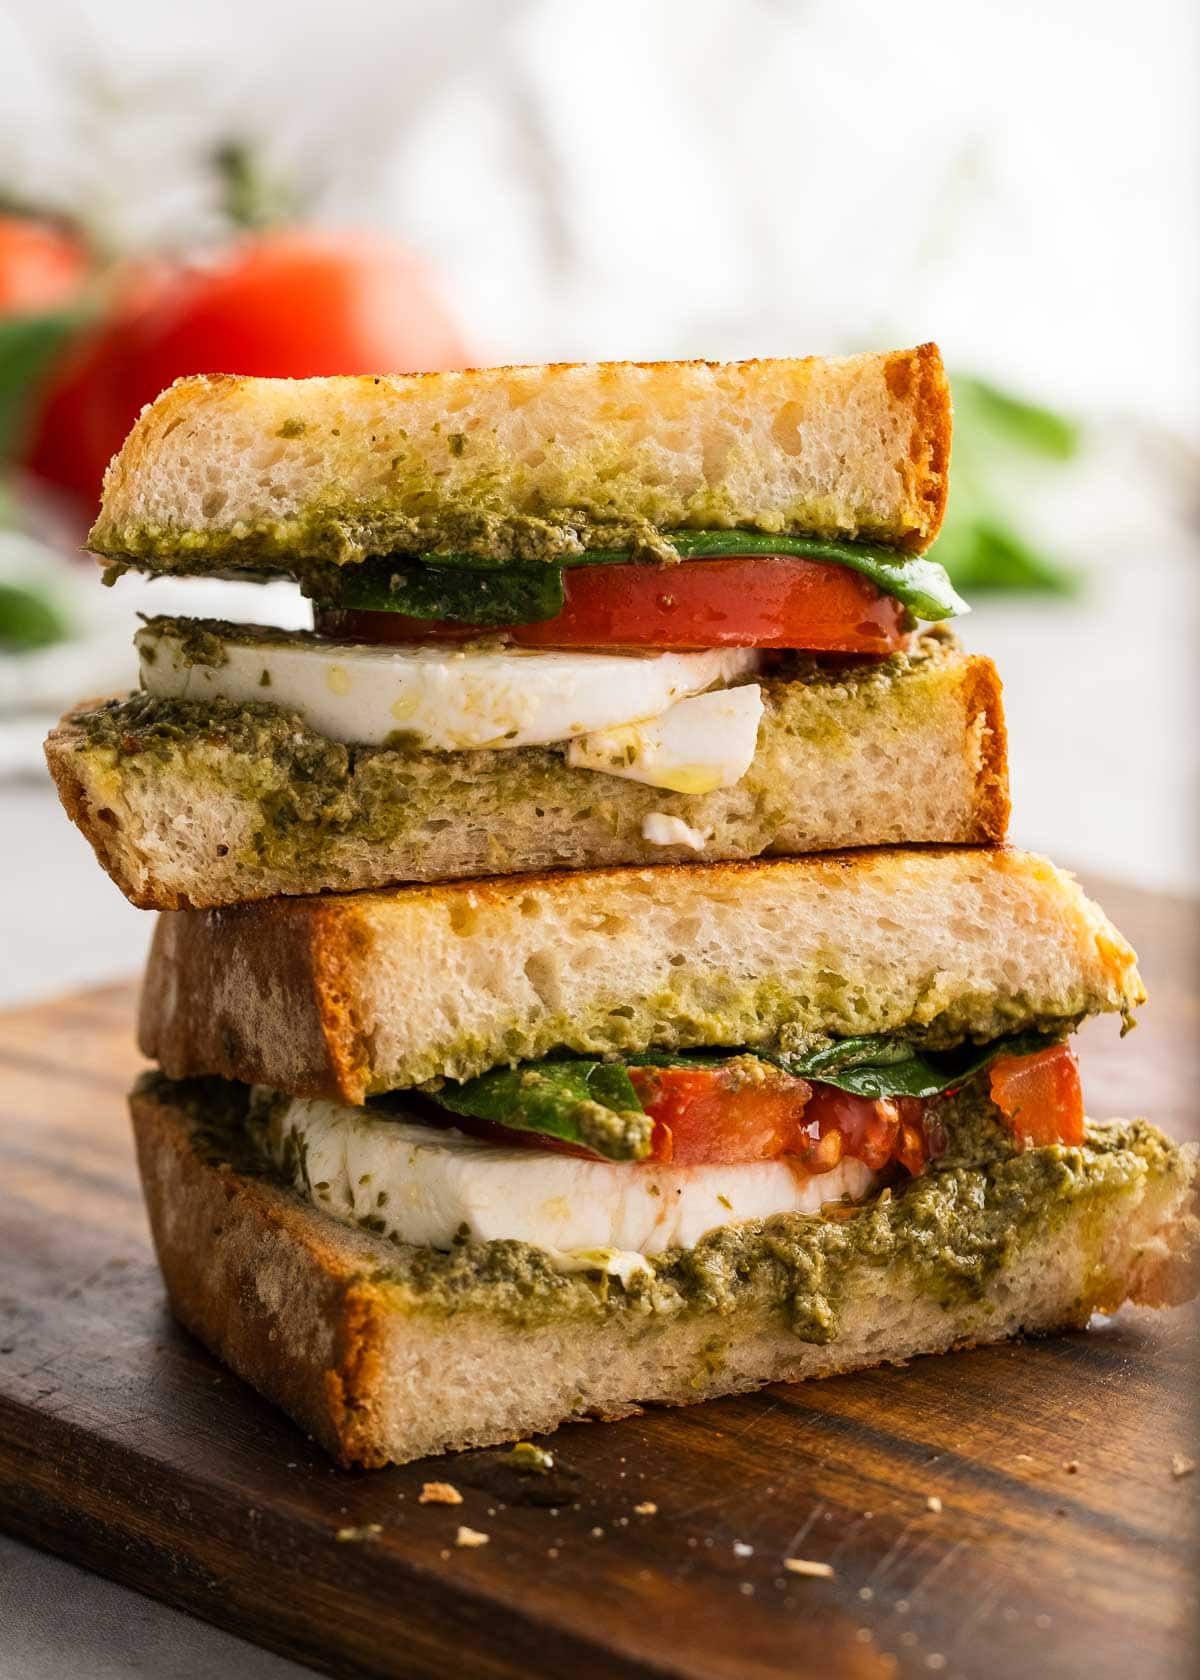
[(695, 746), (422, 1184), (447, 699)]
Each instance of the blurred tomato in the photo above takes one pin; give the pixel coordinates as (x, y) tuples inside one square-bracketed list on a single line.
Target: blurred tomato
[(41, 265), (289, 305)]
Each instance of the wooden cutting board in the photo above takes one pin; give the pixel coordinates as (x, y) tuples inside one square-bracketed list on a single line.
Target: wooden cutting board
[(1062, 1545)]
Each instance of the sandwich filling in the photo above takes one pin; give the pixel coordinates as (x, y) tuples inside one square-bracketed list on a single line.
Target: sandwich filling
[(607, 1164), (638, 669)]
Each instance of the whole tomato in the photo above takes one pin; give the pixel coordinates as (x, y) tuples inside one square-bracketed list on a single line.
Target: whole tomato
[(41, 265), (287, 304)]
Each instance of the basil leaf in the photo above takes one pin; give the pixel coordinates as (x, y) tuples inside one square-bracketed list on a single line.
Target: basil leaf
[(592, 1104), (516, 595), (872, 1067), (382, 585), (880, 1067)]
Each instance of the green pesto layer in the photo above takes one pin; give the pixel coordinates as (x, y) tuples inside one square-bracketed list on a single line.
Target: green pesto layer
[(946, 1235), (487, 512)]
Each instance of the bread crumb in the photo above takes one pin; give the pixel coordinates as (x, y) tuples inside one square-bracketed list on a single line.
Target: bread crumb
[(597, 1534), (1072, 1467), (1181, 1466), (470, 1537), (740, 1549), (808, 1567), (368, 1531), (934, 1504), (646, 1509), (439, 1493)]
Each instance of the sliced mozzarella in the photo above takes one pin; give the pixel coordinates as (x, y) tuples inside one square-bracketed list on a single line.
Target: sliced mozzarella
[(696, 745), (422, 1185), (448, 699)]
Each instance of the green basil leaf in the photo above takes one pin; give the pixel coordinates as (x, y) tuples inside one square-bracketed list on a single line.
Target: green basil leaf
[(516, 595), (592, 1104), (880, 1067)]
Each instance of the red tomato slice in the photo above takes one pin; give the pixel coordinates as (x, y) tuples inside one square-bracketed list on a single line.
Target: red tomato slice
[(1040, 1096), (760, 601), (706, 1116)]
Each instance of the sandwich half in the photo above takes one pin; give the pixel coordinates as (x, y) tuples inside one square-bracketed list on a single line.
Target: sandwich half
[(562, 617), (443, 1166)]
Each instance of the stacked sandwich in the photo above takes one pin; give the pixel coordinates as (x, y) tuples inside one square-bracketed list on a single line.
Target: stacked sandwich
[(591, 973)]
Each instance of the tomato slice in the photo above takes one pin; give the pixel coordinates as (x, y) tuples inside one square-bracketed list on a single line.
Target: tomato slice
[(773, 601), (707, 1116), (710, 1116), (1040, 1096)]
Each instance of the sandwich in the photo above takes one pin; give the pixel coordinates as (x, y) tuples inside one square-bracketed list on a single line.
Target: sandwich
[(564, 617), (689, 1027), (443, 1165)]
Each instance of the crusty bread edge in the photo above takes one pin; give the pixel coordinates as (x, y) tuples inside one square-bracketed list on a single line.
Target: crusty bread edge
[(983, 697), (284, 1295), (300, 987)]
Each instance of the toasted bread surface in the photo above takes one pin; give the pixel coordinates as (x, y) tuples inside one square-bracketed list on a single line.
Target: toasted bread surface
[(201, 806), (530, 461), (302, 1308), (353, 995)]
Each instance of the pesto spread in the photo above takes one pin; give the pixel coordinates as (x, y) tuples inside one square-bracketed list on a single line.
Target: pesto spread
[(947, 1234)]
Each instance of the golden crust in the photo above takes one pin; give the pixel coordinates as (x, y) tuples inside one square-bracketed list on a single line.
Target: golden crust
[(279, 1295), (983, 697), (226, 991)]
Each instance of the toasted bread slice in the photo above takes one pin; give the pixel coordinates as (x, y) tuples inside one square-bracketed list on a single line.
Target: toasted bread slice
[(387, 1354), (201, 805), (350, 996), (530, 461)]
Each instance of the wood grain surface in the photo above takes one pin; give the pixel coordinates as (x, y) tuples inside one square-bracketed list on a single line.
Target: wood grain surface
[(1064, 1543)]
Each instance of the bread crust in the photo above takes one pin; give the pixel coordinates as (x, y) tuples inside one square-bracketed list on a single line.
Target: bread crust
[(921, 759), (855, 447), (349, 996), (285, 1295)]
